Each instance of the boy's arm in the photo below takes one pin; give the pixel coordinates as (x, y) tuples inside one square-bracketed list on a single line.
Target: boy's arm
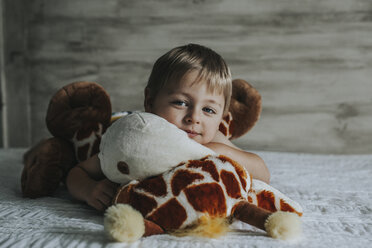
[(252, 162), (86, 182)]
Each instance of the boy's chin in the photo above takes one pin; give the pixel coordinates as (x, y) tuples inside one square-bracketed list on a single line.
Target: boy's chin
[(195, 138), (200, 140)]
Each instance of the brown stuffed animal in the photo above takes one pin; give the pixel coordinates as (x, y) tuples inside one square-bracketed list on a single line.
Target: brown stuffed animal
[(78, 115)]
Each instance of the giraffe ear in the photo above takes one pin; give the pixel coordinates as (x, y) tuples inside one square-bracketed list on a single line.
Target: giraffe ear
[(244, 111)]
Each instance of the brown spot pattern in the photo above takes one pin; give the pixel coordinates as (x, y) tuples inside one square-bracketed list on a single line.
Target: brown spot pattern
[(154, 185), (207, 166), (227, 117), (142, 203), (123, 167), (83, 133), (183, 178), (231, 184), (204, 158), (170, 215), (86, 130), (82, 152), (230, 122), (251, 184), (238, 168), (180, 164), (231, 127), (266, 200), (222, 129), (123, 194), (287, 208), (96, 143), (207, 198)]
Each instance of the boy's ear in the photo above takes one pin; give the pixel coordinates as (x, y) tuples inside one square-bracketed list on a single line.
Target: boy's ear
[(148, 100)]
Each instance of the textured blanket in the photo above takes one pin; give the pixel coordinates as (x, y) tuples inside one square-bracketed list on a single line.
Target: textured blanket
[(334, 191)]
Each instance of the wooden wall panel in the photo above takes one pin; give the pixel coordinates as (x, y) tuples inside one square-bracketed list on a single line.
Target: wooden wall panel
[(2, 77), (15, 88), (311, 60)]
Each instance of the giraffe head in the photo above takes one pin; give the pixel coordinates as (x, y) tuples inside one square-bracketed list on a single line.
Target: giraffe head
[(141, 144)]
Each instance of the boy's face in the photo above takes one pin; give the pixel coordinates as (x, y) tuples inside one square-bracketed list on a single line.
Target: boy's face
[(191, 107)]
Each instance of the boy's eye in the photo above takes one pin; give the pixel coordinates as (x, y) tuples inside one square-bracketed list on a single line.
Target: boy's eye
[(180, 103), (209, 110)]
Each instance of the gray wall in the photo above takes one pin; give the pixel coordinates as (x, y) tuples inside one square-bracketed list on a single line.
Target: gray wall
[(15, 94), (311, 60)]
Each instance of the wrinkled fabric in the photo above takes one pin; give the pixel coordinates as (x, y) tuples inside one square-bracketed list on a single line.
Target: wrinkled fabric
[(335, 192)]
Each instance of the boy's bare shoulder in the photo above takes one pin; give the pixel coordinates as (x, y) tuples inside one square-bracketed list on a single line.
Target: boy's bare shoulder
[(222, 139)]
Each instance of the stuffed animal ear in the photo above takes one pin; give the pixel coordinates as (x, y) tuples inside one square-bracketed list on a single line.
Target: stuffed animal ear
[(244, 110), (80, 112)]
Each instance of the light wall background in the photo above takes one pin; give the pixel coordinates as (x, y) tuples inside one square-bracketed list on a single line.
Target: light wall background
[(311, 60)]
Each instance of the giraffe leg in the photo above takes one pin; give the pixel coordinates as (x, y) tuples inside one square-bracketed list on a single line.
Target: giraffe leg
[(123, 223), (251, 214), (279, 225)]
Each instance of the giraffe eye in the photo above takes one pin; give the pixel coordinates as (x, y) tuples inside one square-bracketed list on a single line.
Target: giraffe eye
[(123, 167)]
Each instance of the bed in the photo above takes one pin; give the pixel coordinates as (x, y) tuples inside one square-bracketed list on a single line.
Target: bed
[(335, 192)]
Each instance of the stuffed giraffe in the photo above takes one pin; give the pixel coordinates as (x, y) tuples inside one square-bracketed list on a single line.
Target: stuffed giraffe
[(166, 192), (194, 194)]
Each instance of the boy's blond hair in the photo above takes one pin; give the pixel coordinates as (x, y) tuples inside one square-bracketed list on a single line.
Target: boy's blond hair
[(173, 66)]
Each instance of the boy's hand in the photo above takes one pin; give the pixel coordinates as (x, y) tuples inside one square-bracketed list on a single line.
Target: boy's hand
[(87, 183), (101, 194)]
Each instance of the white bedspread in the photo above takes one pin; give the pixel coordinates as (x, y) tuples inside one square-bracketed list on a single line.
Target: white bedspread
[(335, 192)]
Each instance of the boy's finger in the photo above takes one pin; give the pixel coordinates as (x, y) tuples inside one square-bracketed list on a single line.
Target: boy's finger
[(109, 191), (105, 201), (111, 184), (98, 205)]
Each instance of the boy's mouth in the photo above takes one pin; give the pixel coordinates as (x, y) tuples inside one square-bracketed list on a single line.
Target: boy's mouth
[(191, 133)]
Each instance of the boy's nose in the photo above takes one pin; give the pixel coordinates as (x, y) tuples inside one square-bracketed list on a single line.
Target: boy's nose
[(192, 118)]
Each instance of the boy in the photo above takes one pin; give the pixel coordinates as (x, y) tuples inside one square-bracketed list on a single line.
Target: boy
[(190, 87)]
